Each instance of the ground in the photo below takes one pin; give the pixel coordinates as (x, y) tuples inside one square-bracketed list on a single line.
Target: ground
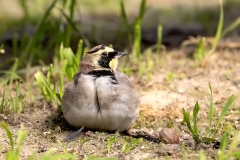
[(161, 107), (176, 82)]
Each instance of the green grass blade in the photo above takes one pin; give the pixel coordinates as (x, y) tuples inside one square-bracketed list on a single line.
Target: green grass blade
[(37, 36), (72, 62), (159, 40), (200, 52), (2, 105), (44, 86), (225, 109), (58, 156), (219, 29), (12, 74), (72, 8), (50, 73), (129, 146), (230, 28), (210, 115), (137, 40), (202, 155), (208, 139), (22, 134), (142, 10), (125, 20), (68, 32), (16, 102), (13, 70), (67, 36), (72, 24), (235, 143), (9, 133), (61, 52), (111, 141), (11, 155), (63, 71), (224, 142), (195, 113), (79, 54), (123, 14), (236, 154), (186, 118)]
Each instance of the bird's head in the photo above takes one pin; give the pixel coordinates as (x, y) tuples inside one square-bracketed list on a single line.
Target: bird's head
[(101, 57)]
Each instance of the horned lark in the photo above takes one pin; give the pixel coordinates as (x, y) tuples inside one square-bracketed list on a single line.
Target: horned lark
[(100, 97)]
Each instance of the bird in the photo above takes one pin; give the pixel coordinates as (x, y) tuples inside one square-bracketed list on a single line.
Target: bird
[(100, 96)]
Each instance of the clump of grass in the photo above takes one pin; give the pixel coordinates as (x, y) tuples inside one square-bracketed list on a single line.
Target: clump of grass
[(231, 152), (201, 55), (210, 135), (146, 64), (18, 101), (127, 146), (144, 67), (170, 77), (31, 48), (111, 140), (219, 29), (12, 103), (14, 152), (48, 92), (200, 51), (3, 102), (53, 90), (66, 54)]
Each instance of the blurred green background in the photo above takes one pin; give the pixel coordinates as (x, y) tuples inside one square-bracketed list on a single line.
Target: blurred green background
[(34, 30)]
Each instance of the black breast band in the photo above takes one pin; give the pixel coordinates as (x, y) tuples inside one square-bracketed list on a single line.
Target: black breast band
[(102, 73)]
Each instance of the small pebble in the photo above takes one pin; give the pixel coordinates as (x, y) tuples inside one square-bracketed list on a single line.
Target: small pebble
[(46, 133), (168, 136)]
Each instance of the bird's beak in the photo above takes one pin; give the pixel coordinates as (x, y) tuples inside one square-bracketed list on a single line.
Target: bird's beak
[(120, 54)]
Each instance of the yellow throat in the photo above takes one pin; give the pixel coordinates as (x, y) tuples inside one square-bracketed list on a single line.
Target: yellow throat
[(113, 64)]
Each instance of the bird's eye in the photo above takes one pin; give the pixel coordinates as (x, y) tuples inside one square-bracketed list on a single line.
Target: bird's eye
[(104, 54)]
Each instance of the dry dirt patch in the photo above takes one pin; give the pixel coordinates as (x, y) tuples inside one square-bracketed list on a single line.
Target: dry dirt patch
[(161, 106)]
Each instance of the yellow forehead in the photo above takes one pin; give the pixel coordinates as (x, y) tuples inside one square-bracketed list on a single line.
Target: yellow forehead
[(107, 49)]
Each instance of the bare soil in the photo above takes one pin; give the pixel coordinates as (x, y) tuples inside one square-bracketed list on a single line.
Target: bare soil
[(161, 107)]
